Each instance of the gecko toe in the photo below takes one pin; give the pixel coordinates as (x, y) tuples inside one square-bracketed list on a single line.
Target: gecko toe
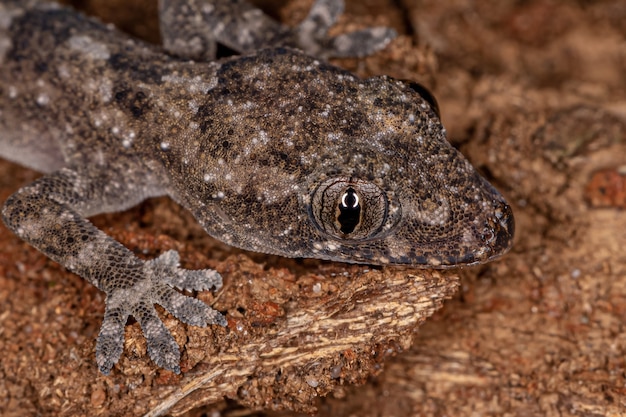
[(361, 42), (166, 268), (110, 343), (162, 347), (190, 310), (196, 280)]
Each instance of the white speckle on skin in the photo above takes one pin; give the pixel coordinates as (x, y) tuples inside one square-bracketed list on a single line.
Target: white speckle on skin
[(100, 117), (334, 136), (194, 85), (63, 71), (6, 18), (165, 146), (264, 137), (90, 48), (245, 36), (100, 159), (219, 28), (105, 89), (101, 88), (5, 46), (43, 99), (208, 8)]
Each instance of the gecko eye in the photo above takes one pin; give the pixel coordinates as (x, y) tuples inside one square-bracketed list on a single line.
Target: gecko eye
[(349, 208)]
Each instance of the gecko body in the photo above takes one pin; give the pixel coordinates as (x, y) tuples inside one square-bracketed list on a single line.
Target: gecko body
[(275, 151)]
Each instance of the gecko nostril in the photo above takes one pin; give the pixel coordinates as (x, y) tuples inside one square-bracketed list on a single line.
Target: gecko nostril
[(504, 228)]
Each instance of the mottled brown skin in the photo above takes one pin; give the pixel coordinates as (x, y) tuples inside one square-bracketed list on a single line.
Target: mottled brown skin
[(276, 152)]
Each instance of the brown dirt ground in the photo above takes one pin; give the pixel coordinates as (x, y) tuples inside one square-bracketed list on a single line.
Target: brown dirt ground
[(534, 93)]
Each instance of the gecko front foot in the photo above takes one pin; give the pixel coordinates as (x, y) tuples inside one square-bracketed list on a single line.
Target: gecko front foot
[(160, 275), (312, 34)]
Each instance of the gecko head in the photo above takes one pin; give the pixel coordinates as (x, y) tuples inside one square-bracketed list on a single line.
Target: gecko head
[(410, 197), (312, 161)]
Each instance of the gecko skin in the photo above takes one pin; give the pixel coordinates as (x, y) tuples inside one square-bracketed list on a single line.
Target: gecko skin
[(275, 151)]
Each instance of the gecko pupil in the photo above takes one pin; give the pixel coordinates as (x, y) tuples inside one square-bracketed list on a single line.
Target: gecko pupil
[(349, 211)]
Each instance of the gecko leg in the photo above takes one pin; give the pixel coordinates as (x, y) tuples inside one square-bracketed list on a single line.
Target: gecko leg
[(191, 28), (50, 215)]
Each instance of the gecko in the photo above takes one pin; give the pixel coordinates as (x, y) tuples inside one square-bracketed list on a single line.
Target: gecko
[(272, 150)]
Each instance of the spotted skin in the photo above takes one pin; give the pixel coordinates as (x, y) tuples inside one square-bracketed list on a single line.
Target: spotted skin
[(275, 151)]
